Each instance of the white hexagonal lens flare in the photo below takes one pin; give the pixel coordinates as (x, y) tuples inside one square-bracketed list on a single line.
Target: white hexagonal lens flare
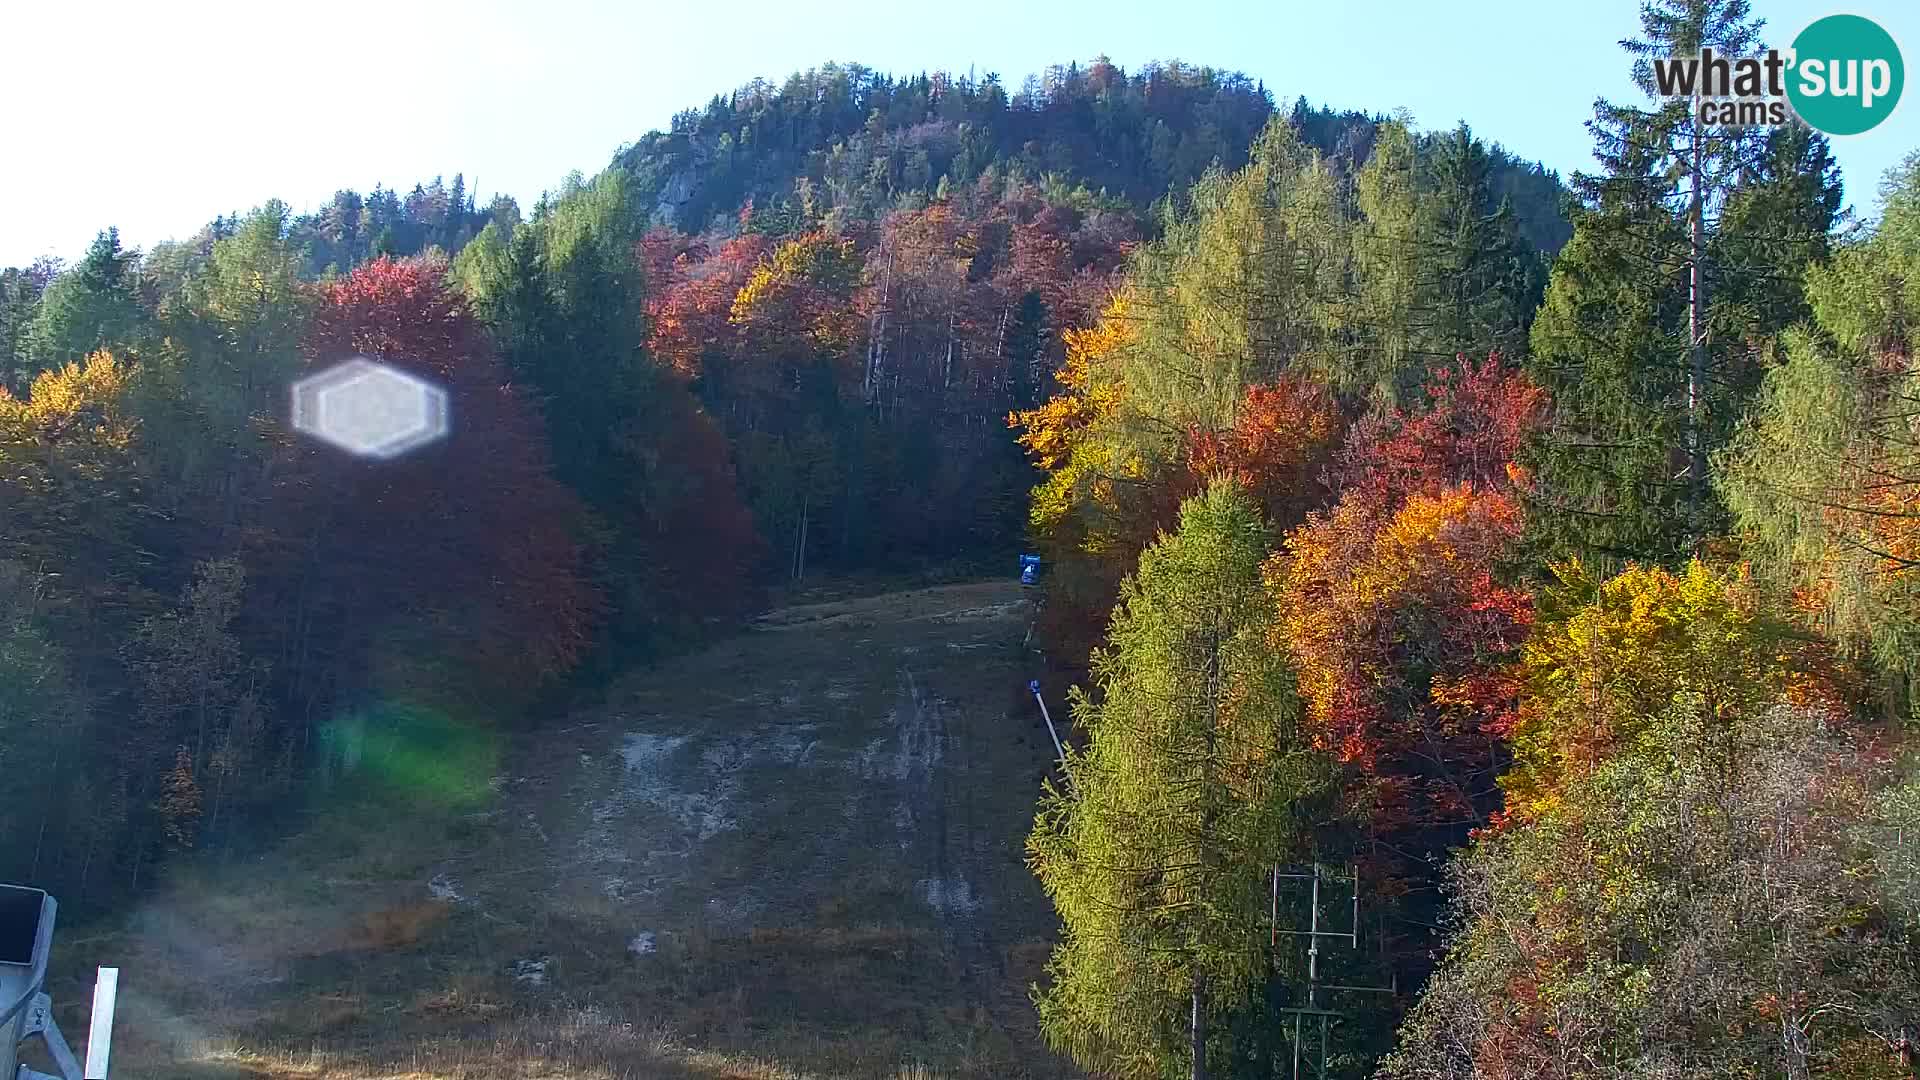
[(367, 408)]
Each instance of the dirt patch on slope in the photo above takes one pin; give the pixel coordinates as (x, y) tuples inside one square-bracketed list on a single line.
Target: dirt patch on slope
[(803, 848)]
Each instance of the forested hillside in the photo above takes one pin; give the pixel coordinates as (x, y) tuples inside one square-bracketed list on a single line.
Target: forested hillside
[(1559, 621), (851, 138), (800, 364), (1539, 558)]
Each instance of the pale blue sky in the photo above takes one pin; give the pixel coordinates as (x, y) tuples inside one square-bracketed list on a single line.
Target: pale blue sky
[(157, 116)]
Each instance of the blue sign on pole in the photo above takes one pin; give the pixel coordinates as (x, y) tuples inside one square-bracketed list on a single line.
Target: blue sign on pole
[(1029, 569)]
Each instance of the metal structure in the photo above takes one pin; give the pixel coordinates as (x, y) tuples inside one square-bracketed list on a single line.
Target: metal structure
[(1034, 686), (26, 1011), (1313, 933)]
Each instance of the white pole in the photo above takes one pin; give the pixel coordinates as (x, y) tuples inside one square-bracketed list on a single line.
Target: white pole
[(100, 1035), (1057, 748)]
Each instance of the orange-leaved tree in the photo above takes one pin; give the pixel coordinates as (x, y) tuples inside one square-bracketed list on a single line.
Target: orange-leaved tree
[(1402, 625)]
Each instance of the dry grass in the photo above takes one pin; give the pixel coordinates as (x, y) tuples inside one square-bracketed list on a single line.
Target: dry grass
[(827, 857)]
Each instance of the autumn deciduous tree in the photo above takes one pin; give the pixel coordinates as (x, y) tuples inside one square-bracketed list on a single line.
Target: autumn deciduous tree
[(1395, 608), (74, 478), (1100, 504), (692, 287), (1084, 513), (1703, 900), (1284, 435), (1392, 600), (470, 536), (1607, 656)]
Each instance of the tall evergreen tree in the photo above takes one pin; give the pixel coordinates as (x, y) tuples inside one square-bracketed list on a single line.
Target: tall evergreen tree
[(1778, 220), (1643, 356), (231, 349), (566, 297), (93, 306), (1487, 278), (565, 300), (1193, 784), (1026, 352)]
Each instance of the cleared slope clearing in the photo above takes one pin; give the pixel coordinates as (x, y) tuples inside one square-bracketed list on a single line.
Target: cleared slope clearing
[(798, 853)]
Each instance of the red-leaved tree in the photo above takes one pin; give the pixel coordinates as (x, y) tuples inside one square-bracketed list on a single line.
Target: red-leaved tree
[(1402, 629), (469, 537)]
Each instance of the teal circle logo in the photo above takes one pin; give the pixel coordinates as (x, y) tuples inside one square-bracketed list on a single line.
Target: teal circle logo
[(1846, 75)]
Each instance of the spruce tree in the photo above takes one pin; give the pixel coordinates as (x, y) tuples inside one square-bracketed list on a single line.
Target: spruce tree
[(1193, 784), (1777, 222), (1485, 276), (1648, 358), (93, 306), (1026, 352)]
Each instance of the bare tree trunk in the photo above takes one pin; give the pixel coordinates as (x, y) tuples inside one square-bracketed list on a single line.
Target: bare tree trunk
[(877, 348), (1198, 1027), (805, 527), (46, 808), (800, 537), (1696, 331), (946, 366)]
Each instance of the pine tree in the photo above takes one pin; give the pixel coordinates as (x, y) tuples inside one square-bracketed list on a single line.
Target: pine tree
[(1488, 279), (1193, 784), (94, 306), (1631, 340)]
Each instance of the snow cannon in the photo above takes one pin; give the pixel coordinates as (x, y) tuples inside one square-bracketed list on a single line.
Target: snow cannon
[(26, 1012)]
